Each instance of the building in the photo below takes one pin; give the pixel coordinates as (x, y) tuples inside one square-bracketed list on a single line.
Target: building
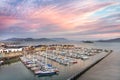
[(7, 50)]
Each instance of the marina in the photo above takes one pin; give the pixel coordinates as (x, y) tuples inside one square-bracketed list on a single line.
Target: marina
[(43, 62), (38, 62)]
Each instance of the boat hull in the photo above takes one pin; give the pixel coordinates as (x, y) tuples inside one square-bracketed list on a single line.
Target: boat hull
[(45, 74)]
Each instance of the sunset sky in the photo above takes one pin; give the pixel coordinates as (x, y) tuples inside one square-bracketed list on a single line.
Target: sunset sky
[(71, 19)]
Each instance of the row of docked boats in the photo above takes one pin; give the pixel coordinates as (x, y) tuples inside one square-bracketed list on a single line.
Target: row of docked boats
[(60, 59), (75, 55), (1, 62), (69, 56), (81, 53), (38, 67)]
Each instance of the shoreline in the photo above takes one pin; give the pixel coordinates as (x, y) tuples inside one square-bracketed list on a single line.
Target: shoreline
[(10, 59)]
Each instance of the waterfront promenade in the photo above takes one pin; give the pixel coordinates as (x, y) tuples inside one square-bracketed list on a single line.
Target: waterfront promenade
[(107, 69)]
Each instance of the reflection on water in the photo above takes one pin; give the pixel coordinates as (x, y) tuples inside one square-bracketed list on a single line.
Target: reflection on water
[(17, 71)]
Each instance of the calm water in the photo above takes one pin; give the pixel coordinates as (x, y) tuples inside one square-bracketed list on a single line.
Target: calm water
[(17, 71)]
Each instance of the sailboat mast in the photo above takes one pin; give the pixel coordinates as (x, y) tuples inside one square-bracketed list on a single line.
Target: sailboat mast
[(46, 57)]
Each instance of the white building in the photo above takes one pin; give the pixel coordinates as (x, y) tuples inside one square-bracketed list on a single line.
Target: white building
[(11, 50)]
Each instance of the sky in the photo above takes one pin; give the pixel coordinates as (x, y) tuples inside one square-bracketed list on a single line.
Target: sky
[(71, 19)]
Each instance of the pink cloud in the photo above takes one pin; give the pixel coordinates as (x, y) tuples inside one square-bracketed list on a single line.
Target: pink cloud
[(8, 21), (67, 21), (37, 18), (63, 19), (106, 35)]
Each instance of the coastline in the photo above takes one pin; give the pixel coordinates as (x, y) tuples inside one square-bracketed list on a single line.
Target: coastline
[(10, 58)]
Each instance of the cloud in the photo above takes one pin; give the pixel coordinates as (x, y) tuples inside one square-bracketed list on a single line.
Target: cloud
[(59, 18), (8, 21)]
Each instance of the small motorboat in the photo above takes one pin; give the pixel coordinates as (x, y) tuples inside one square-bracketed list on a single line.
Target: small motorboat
[(44, 72), (84, 57), (1, 62), (35, 68), (31, 65)]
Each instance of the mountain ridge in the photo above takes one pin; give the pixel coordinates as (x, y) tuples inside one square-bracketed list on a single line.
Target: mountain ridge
[(110, 40), (58, 39), (39, 39)]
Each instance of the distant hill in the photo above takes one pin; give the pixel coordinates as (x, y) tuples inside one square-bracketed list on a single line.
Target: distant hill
[(110, 40), (56, 40), (19, 39), (43, 39), (87, 41), (40, 39), (60, 39)]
